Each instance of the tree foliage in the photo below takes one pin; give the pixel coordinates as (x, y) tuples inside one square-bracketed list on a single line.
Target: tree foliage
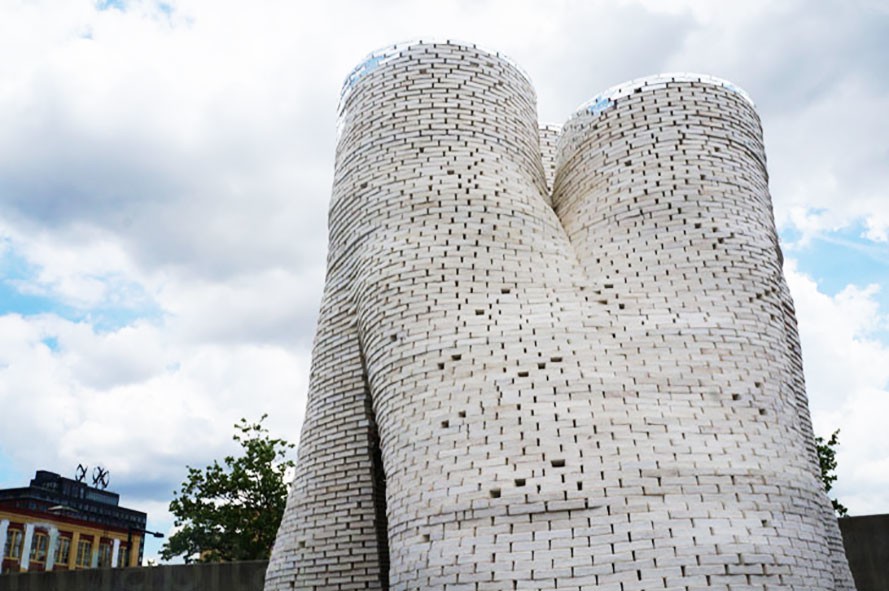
[(232, 511), (827, 459)]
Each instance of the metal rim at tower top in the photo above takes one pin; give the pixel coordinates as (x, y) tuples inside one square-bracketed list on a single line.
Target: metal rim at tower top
[(651, 83), (552, 363), (380, 56)]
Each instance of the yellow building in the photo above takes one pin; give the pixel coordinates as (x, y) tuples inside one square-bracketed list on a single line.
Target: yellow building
[(58, 523)]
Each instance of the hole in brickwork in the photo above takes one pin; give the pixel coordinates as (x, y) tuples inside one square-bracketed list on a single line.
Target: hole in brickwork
[(505, 290), (520, 482), (523, 374), (440, 365), (558, 463), (462, 414), (445, 424), (736, 396), (479, 312), (762, 412), (456, 357), (579, 486), (541, 366), (425, 537), (495, 493), (393, 338), (556, 359)]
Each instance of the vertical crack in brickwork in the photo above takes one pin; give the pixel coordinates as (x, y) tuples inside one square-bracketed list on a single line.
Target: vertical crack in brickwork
[(381, 522)]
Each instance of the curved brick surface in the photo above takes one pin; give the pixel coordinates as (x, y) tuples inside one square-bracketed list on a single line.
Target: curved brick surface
[(598, 390), (662, 188)]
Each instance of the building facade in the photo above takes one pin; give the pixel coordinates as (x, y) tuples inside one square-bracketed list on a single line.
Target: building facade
[(57, 523), (558, 358)]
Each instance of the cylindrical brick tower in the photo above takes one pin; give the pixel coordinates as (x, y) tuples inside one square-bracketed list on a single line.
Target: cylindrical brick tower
[(663, 190), (595, 391)]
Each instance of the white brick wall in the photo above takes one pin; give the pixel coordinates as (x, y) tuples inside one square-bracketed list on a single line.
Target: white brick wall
[(596, 386)]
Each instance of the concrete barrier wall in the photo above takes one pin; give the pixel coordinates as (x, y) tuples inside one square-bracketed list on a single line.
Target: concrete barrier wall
[(867, 547), (223, 576)]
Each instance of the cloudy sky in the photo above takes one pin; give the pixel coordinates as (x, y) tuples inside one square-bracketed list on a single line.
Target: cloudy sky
[(165, 168)]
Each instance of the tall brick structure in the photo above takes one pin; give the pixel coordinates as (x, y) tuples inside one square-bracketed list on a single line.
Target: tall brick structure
[(552, 359)]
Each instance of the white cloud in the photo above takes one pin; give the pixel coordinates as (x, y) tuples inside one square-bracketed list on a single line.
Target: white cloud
[(274, 306), (845, 180), (136, 402), (817, 72), (847, 377), (81, 266)]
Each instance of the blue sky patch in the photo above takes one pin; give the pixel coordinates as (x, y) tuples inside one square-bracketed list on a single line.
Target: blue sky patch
[(789, 235), (13, 301), (837, 259), (15, 270), (10, 476), (112, 318), (129, 301), (109, 4)]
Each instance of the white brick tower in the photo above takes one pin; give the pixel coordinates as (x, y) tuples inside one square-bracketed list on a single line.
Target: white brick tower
[(595, 387)]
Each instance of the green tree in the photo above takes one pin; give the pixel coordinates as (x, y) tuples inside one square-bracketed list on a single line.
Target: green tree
[(232, 512), (827, 458)]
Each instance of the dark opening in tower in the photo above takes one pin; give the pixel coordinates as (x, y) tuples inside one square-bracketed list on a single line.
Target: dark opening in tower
[(381, 522)]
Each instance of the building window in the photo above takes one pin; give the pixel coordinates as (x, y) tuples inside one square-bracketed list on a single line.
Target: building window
[(63, 551), (39, 543), (122, 556), (13, 547), (84, 553), (105, 551)]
